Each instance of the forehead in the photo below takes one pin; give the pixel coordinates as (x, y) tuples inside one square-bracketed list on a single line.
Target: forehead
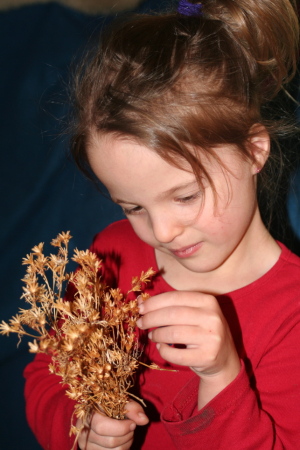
[(107, 150), (110, 150), (122, 164)]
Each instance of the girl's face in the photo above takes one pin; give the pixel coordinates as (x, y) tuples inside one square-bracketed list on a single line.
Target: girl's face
[(193, 231)]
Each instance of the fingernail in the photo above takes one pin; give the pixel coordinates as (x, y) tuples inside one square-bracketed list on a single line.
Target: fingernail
[(132, 426), (150, 335), (142, 416), (141, 308), (140, 323)]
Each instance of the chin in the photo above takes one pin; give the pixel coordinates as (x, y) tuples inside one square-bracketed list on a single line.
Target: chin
[(200, 267)]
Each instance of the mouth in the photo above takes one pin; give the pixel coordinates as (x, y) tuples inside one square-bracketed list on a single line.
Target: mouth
[(185, 252)]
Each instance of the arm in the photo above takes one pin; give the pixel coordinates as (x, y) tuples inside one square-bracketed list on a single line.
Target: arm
[(241, 415), (48, 409), (196, 322), (50, 414)]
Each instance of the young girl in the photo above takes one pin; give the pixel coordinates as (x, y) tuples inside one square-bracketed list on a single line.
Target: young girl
[(171, 118)]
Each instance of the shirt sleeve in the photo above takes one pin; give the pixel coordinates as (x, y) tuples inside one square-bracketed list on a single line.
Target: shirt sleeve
[(49, 411)]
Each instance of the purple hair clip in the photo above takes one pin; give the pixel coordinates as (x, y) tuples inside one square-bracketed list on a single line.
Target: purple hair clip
[(189, 9)]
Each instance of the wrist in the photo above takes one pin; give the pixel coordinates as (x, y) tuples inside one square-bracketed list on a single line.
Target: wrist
[(213, 383)]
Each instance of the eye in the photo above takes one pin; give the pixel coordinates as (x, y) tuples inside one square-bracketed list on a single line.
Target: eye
[(189, 198), (132, 211)]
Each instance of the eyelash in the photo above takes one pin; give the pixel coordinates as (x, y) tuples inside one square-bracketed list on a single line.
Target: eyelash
[(132, 211), (184, 200), (190, 198)]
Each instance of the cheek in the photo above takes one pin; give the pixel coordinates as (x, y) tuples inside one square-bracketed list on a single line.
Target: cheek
[(222, 224), (234, 205), (142, 230), (218, 228)]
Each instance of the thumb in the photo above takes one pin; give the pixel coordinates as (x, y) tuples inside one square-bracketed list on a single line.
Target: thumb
[(135, 412)]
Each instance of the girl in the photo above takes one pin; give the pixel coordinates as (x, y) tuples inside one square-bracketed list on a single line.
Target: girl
[(171, 118)]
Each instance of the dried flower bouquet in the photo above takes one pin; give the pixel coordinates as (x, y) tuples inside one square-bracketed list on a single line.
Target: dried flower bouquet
[(92, 339)]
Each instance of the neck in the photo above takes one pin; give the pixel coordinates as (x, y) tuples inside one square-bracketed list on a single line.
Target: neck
[(254, 256)]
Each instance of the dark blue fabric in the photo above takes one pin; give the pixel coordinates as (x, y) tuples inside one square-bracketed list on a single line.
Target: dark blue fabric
[(42, 192), (293, 203), (293, 198)]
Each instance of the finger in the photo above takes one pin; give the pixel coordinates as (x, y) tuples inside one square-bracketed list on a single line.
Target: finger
[(180, 315), (135, 412), (180, 334), (189, 357), (106, 426), (93, 440), (174, 315), (90, 441), (173, 298)]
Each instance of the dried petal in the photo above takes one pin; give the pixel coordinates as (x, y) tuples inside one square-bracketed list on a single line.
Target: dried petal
[(93, 343), (33, 346)]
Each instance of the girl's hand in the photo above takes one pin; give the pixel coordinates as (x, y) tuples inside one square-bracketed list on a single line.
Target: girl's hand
[(105, 432), (195, 321)]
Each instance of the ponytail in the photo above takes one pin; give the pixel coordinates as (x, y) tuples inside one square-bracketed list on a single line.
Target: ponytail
[(268, 33)]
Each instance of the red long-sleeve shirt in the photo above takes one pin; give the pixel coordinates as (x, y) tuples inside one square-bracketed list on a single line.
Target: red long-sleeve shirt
[(259, 410)]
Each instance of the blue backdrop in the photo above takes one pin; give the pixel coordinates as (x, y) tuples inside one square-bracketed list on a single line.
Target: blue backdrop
[(42, 192)]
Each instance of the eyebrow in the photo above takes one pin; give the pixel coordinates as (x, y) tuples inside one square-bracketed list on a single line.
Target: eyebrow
[(165, 194)]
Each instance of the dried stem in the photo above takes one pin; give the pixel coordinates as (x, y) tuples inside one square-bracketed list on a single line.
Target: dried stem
[(92, 339)]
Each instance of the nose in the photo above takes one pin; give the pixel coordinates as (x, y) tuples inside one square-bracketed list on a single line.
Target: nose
[(165, 228)]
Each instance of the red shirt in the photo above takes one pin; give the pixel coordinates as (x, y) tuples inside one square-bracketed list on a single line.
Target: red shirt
[(260, 409)]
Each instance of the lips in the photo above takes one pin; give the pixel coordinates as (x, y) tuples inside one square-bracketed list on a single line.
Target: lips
[(185, 252)]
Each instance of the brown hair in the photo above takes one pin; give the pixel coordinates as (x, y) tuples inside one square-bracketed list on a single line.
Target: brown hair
[(172, 81)]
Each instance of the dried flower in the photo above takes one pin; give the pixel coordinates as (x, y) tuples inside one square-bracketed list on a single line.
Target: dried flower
[(92, 340)]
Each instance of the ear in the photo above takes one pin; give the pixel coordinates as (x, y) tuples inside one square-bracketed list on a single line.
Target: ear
[(259, 146)]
